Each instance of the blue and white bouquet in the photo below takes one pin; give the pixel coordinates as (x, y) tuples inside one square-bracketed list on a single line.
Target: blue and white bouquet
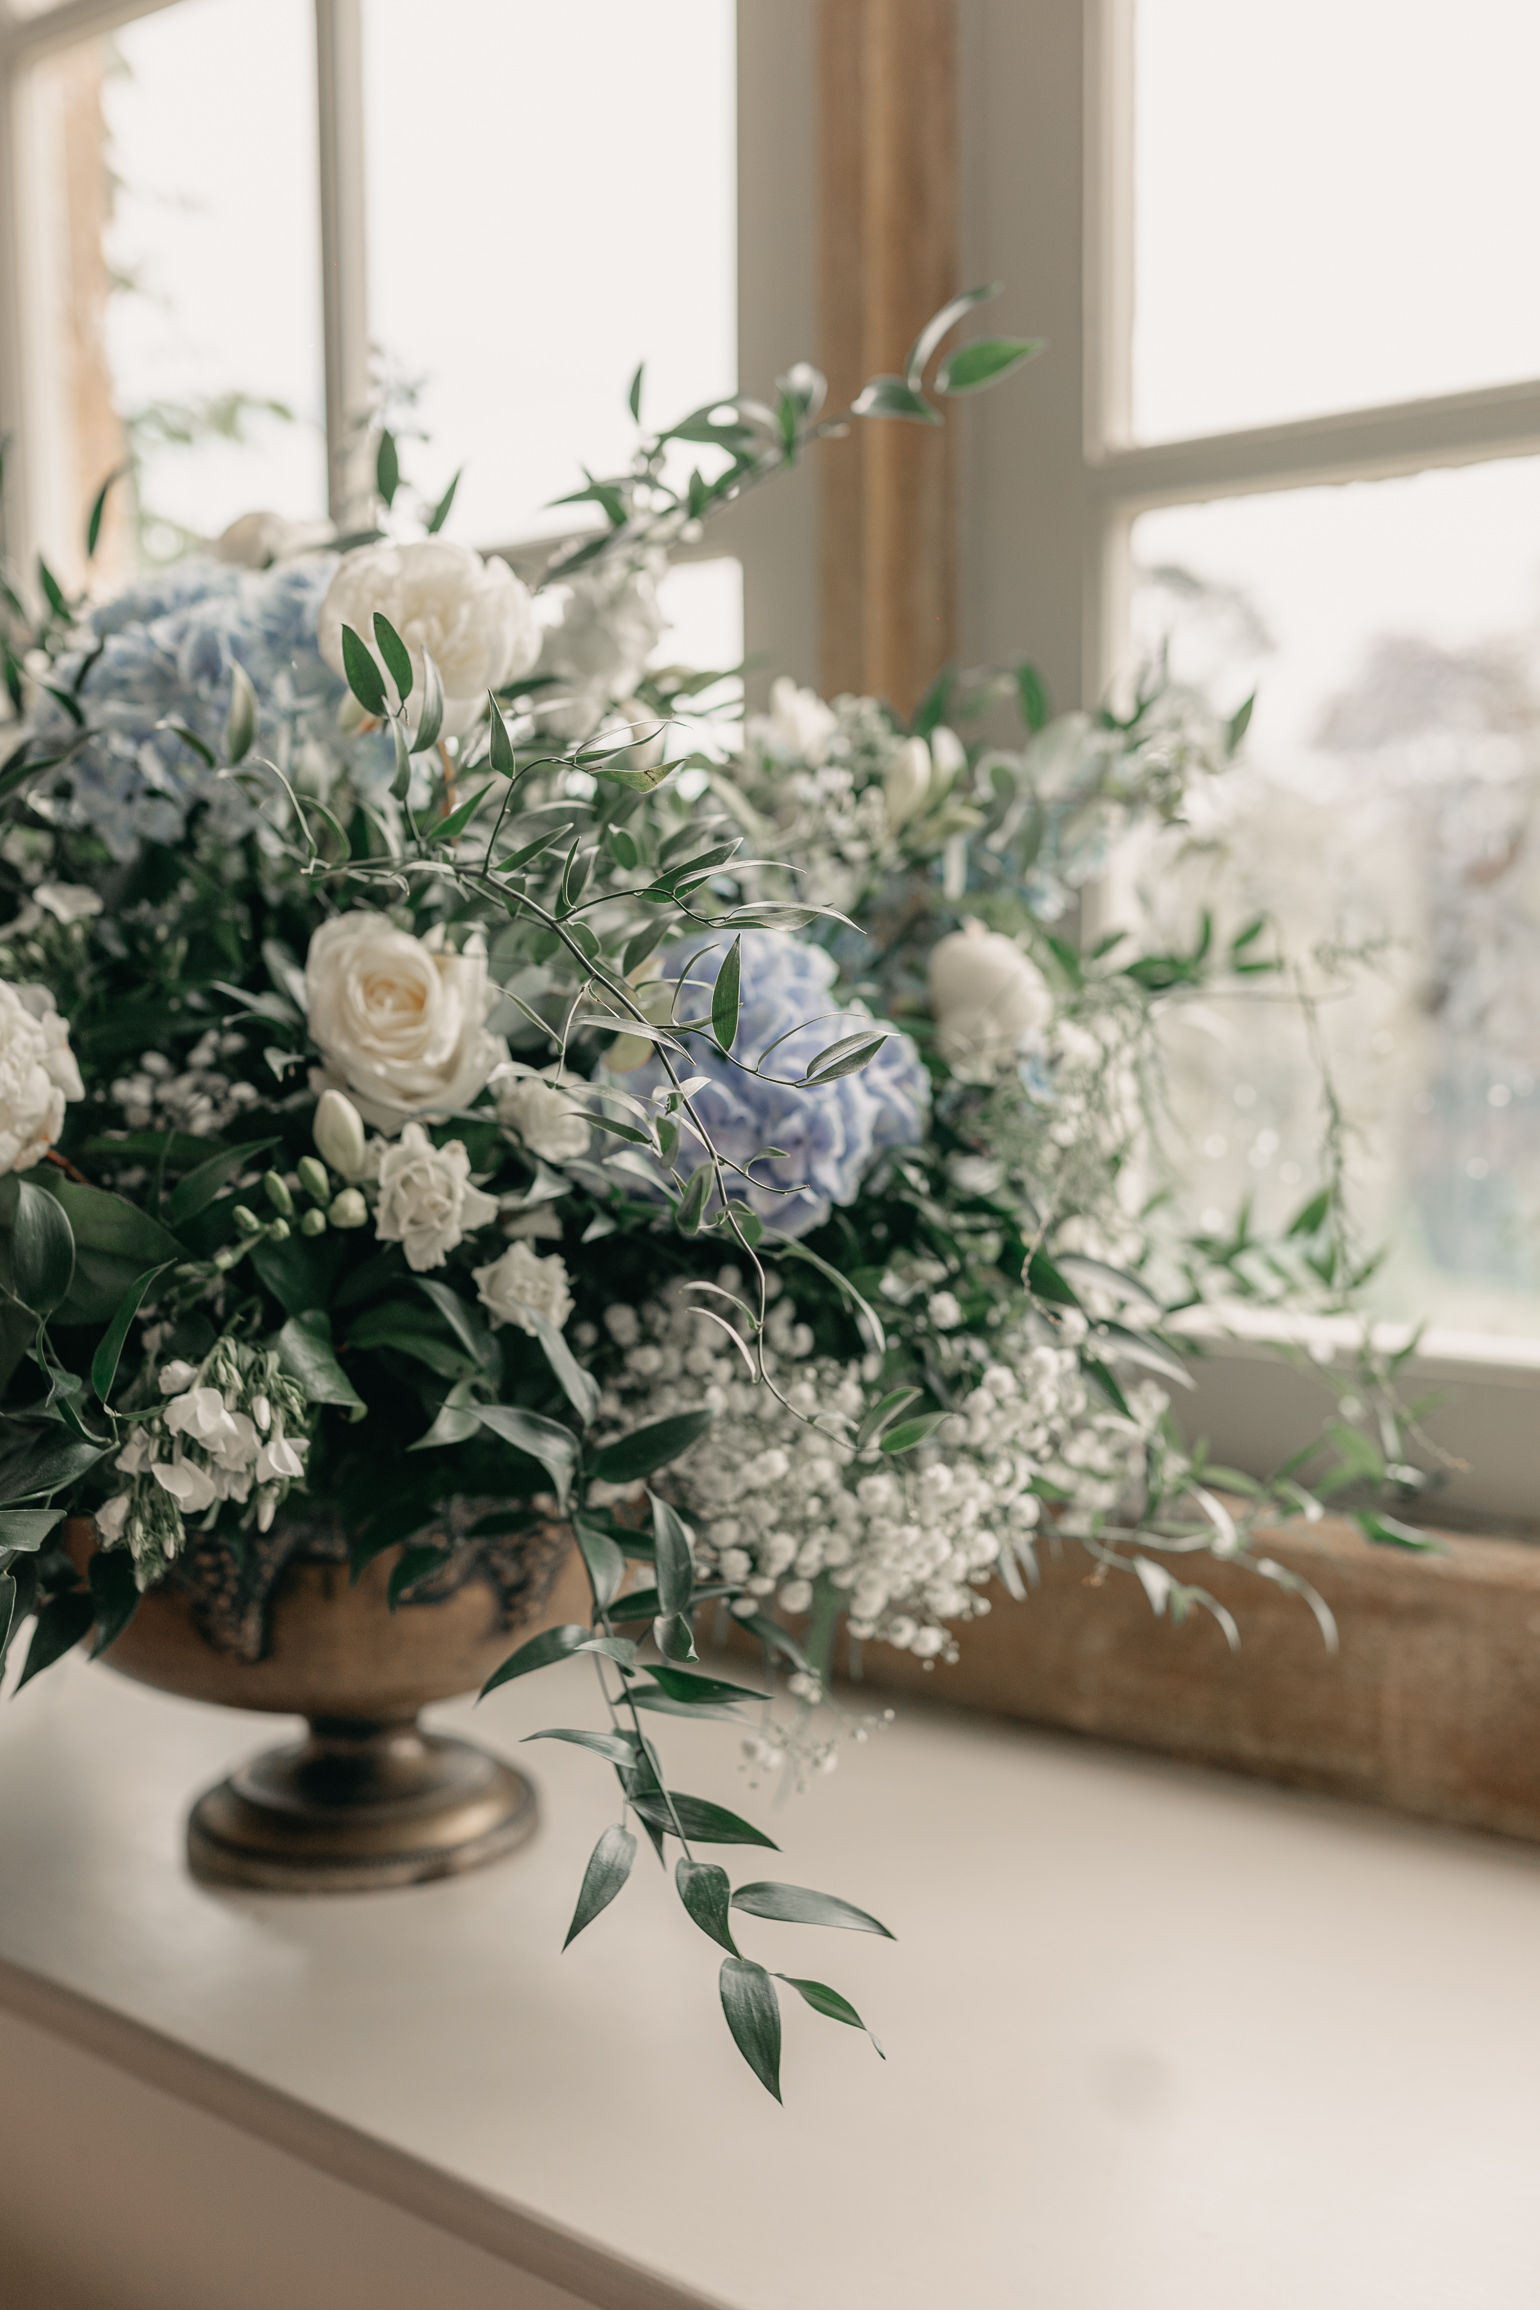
[(433, 1068)]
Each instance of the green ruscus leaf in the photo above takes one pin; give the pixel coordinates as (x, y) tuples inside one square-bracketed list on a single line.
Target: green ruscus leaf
[(830, 2004), (754, 2017), (365, 680), (608, 1868), (798, 1905), (704, 1889), (724, 996)]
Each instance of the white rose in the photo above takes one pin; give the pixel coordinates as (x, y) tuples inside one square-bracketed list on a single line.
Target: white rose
[(522, 1285), (473, 618), (799, 724), (399, 1021), (543, 1118), (37, 1075), (990, 1001), (191, 1487), (427, 1202), (906, 788)]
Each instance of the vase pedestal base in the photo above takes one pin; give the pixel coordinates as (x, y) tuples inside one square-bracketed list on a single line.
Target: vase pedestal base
[(356, 1806)]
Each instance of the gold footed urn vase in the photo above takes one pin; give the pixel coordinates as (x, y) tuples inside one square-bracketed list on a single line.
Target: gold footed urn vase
[(368, 1798)]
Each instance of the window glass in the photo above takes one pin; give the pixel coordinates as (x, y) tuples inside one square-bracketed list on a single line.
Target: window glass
[(1334, 206), (551, 201), (1390, 807), (174, 246)]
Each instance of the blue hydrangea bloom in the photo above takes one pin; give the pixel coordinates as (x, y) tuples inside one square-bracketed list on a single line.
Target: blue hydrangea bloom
[(167, 646), (833, 1133)]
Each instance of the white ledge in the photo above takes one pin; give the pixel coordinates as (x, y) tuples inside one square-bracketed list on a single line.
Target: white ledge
[(1155, 2039)]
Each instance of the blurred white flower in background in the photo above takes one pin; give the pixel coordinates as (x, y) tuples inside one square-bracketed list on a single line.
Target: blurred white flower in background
[(991, 1002)]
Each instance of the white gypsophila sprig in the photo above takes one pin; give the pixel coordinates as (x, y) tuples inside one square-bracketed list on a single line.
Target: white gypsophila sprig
[(778, 1497), (200, 1097), (233, 1427)]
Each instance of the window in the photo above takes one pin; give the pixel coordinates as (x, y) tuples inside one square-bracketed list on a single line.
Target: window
[(237, 224), (1290, 420)]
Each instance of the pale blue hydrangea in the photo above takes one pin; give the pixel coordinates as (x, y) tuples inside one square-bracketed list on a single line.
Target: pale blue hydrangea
[(167, 647), (834, 1133)]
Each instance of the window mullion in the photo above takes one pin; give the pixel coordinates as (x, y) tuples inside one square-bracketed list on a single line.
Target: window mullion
[(344, 250)]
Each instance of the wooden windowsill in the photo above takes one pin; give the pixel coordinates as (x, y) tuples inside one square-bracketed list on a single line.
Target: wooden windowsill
[(1429, 1707)]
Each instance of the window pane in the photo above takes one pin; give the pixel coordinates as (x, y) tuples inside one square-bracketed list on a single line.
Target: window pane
[(176, 266), (1391, 805), (1334, 206), (551, 201)]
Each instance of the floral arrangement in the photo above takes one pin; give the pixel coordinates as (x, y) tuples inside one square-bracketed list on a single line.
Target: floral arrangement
[(435, 1067)]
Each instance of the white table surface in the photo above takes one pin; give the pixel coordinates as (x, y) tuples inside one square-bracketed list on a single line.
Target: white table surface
[(1155, 2038)]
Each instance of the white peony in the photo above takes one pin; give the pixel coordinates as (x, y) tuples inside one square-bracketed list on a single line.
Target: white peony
[(522, 1285), (799, 724), (990, 1001), (400, 1021), (473, 618), (543, 1119), (37, 1075), (427, 1202)]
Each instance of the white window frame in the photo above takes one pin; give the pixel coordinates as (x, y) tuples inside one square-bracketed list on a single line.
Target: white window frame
[(1052, 484)]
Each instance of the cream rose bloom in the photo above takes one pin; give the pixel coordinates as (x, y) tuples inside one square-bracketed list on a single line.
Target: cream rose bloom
[(400, 1021), (541, 1118), (989, 999), (37, 1075), (427, 1202), (521, 1285), (473, 617)]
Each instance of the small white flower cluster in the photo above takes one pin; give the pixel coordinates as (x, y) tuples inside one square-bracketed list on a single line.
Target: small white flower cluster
[(227, 1424), (199, 1100), (428, 1203), (909, 1541)]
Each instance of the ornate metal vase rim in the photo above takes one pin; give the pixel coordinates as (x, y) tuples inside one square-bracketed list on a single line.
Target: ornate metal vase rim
[(368, 1798)]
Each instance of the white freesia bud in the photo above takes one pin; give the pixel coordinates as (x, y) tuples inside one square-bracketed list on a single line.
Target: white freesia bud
[(176, 1376), (348, 1209), (473, 618), (799, 725), (400, 1022), (906, 788), (521, 1285), (427, 1202), (990, 1001), (338, 1132), (37, 1075)]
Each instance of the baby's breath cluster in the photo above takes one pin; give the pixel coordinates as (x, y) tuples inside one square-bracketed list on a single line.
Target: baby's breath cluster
[(782, 1501)]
